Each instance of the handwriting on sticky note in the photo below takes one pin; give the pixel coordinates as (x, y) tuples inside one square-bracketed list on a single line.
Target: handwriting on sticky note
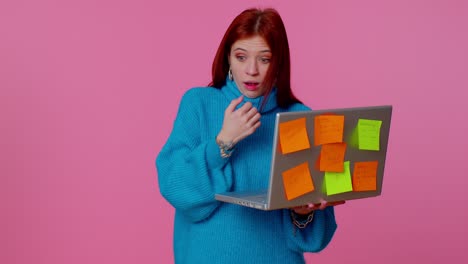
[(369, 134), (293, 136), (365, 176), (338, 182), (332, 157), (297, 181), (328, 129)]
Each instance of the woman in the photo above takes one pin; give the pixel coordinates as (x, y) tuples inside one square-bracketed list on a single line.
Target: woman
[(221, 141)]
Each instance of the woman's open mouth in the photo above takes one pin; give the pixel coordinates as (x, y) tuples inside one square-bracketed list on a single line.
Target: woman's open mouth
[(251, 86)]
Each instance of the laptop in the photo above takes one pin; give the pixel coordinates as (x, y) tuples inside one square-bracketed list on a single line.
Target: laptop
[(332, 154)]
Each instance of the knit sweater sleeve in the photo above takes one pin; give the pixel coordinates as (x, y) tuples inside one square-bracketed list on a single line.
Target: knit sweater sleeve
[(191, 169), (316, 236)]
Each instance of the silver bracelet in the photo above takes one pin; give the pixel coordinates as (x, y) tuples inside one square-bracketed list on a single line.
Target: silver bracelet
[(303, 223), (225, 148)]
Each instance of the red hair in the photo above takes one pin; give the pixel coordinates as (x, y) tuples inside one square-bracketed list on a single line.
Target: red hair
[(267, 24)]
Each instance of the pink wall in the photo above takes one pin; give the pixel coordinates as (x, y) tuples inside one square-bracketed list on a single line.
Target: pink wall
[(89, 90)]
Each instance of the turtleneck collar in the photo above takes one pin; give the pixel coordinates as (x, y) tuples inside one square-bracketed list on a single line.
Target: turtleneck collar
[(232, 92)]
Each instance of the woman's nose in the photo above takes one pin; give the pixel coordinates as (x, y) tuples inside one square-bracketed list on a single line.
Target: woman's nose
[(252, 67)]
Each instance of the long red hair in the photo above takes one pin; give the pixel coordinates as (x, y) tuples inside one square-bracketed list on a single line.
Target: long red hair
[(267, 24)]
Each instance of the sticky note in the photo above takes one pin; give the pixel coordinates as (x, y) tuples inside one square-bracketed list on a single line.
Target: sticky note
[(365, 176), (368, 133), (328, 129), (332, 157), (293, 136), (317, 163), (297, 181), (338, 182)]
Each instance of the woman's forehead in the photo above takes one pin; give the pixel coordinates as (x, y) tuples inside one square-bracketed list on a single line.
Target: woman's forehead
[(254, 43)]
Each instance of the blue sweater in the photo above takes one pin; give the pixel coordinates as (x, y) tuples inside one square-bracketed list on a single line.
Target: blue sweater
[(191, 171)]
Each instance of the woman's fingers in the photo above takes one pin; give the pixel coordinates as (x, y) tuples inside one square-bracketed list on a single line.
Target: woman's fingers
[(305, 209), (323, 204), (253, 119), (245, 108), (239, 123), (302, 209), (338, 203), (234, 103), (251, 113)]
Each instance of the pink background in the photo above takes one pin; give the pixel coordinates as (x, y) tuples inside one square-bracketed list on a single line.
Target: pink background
[(89, 90)]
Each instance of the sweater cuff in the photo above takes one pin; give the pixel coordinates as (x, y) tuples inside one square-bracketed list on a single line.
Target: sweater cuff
[(213, 155)]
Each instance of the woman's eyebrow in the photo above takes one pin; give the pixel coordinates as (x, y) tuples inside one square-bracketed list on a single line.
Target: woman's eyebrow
[(262, 51), (241, 49)]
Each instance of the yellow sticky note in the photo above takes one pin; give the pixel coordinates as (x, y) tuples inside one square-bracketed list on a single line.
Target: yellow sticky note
[(332, 157), (368, 132), (293, 136), (365, 176), (328, 129), (297, 181), (338, 182)]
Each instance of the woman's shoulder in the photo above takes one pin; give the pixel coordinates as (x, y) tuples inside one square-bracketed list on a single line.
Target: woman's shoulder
[(201, 92)]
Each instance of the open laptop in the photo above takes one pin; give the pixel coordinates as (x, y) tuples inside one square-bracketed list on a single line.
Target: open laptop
[(300, 175)]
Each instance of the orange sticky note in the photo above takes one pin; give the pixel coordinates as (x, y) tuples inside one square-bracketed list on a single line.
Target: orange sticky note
[(317, 163), (293, 136), (332, 157), (279, 149), (365, 176), (328, 129), (297, 181)]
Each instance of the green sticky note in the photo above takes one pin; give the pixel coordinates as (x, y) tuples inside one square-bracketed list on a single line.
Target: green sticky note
[(338, 182), (368, 132)]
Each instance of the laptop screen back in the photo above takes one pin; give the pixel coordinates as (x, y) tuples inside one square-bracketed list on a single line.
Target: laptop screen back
[(308, 155)]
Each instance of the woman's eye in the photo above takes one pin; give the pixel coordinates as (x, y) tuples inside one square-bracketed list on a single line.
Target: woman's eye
[(241, 58), (265, 60)]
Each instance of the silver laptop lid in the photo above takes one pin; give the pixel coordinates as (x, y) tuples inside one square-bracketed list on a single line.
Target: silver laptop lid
[(277, 199)]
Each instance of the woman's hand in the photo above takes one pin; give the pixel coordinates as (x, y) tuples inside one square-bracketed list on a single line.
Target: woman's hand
[(240, 123), (306, 209)]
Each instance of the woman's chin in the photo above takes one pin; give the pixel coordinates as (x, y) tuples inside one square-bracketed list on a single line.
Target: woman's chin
[(251, 94)]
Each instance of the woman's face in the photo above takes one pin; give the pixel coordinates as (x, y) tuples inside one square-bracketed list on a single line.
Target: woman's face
[(249, 60)]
